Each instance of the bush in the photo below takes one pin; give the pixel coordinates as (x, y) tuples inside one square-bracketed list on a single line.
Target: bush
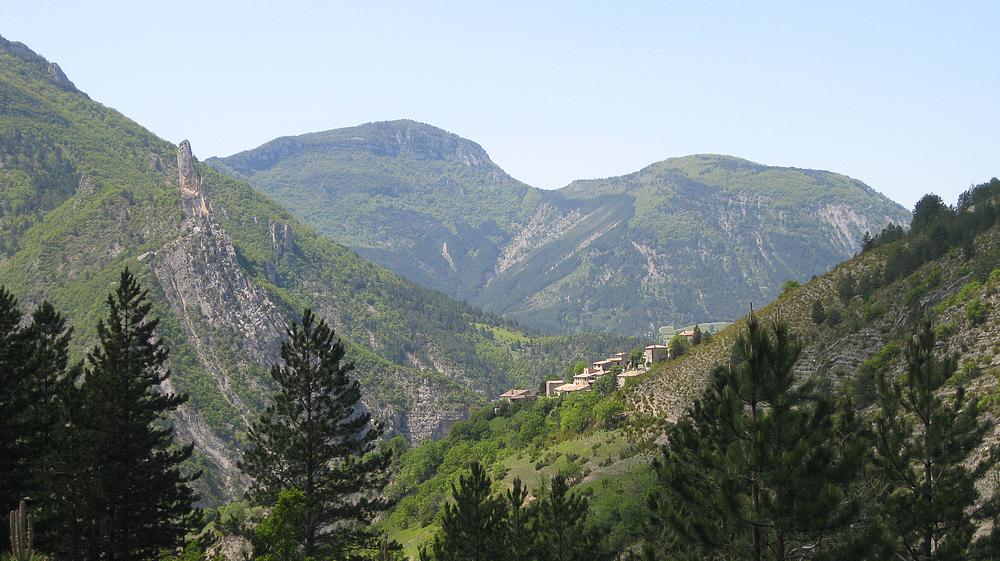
[(975, 311), (611, 412)]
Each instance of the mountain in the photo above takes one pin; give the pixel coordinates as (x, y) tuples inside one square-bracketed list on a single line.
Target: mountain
[(948, 272), (684, 240), (86, 192)]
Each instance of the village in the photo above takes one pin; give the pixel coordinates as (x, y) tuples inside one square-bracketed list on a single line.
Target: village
[(620, 365)]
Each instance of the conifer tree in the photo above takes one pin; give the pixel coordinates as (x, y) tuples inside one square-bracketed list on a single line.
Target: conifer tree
[(472, 526), (316, 437), (846, 287), (560, 528), (132, 499), (518, 517), (696, 339), (34, 380), (818, 313), (13, 400), (46, 439), (755, 471), (923, 440)]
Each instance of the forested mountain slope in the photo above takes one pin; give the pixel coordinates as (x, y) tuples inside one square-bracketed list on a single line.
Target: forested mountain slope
[(684, 240), (85, 192), (854, 322)]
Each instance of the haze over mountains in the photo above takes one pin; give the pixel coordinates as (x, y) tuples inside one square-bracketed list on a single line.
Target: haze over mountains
[(86, 192), (683, 240)]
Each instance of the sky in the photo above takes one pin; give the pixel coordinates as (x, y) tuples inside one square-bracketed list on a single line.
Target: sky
[(901, 95)]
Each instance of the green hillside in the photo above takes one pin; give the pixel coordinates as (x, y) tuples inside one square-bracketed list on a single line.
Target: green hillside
[(947, 270), (685, 240), (85, 192)]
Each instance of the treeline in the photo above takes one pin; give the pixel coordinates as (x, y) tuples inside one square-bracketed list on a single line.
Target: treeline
[(478, 525), (935, 228), (89, 450)]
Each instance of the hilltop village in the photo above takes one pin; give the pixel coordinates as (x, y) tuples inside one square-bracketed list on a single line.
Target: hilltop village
[(622, 365)]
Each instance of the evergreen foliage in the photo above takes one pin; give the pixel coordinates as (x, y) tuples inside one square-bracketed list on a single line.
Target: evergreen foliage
[(936, 228), (757, 469), (560, 526), (473, 525), (478, 525), (818, 313), (136, 500), (930, 503), (317, 438)]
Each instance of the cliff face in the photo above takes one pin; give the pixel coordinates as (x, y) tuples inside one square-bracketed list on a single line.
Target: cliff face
[(234, 328), (87, 192)]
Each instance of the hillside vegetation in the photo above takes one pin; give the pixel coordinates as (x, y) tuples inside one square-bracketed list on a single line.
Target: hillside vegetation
[(86, 192), (685, 240), (946, 269)]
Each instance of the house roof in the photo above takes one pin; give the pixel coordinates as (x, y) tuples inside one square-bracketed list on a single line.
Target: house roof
[(574, 387), (687, 333), (651, 347), (517, 393)]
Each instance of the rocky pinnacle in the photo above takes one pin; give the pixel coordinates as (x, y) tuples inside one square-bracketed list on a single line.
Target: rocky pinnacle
[(192, 192)]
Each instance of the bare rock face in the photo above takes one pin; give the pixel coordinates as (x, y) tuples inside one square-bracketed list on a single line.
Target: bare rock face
[(234, 327), (60, 78), (281, 238), (219, 307), (192, 191)]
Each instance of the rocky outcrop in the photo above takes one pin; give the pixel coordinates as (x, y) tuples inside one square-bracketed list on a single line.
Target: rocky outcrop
[(232, 325), (60, 79), (234, 328), (281, 238), (192, 190)]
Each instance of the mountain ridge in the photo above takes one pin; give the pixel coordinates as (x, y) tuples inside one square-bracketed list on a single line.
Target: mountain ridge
[(557, 259), (87, 192)]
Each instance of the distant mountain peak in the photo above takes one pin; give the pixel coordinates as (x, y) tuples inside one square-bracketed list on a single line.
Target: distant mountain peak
[(51, 70), (404, 139)]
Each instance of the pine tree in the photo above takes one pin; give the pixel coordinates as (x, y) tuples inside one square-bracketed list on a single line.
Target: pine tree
[(13, 401), (472, 525), (756, 469), (518, 517), (846, 287), (930, 502), (317, 438), (867, 242), (46, 351), (696, 339), (34, 379), (818, 313), (132, 499), (560, 527)]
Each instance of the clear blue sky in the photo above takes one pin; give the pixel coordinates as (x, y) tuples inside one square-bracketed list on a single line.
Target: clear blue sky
[(904, 96)]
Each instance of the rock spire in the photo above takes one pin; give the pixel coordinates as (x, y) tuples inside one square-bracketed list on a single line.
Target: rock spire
[(192, 191)]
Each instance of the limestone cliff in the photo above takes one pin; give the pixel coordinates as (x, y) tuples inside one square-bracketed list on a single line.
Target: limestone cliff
[(192, 190), (234, 328)]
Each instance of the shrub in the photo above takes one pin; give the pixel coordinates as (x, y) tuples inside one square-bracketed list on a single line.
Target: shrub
[(975, 311)]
